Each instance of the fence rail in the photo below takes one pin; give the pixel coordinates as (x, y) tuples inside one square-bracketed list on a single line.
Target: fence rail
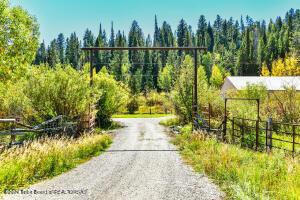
[(13, 128), (255, 134)]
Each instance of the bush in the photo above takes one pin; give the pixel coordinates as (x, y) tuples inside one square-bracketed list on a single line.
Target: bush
[(113, 96), (56, 91), (44, 92), (132, 106)]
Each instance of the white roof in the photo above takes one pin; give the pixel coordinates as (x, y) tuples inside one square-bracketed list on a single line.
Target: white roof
[(272, 83)]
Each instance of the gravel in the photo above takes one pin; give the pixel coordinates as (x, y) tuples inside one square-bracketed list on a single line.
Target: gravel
[(141, 164)]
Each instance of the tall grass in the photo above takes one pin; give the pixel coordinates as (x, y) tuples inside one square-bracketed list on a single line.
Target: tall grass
[(20, 167), (243, 174)]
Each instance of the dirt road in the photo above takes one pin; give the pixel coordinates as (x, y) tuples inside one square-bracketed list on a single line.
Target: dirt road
[(141, 164)]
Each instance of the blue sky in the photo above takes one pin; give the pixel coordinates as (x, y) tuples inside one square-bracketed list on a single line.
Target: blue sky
[(66, 16)]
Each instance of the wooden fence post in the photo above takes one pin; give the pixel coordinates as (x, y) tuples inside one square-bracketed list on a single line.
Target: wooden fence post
[(233, 136), (270, 137), (209, 115), (294, 136), (225, 122), (257, 135), (12, 134), (242, 132), (267, 143)]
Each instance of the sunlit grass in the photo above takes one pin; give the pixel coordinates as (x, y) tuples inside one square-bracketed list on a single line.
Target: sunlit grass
[(174, 121), (46, 158), (243, 174)]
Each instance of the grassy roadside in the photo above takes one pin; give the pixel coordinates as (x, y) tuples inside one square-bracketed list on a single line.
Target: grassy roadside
[(21, 167), (140, 115), (242, 174)]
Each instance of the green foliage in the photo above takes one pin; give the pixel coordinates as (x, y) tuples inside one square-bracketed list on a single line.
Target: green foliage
[(182, 94), (174, 121), (113, 96), (165, 79), (217, 77), (56, 91), (18, 39), (45, 92), (46, 158), (133, 105), (242, 174)]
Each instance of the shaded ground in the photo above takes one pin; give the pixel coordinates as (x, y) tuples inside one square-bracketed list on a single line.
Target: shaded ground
[(141, 164)]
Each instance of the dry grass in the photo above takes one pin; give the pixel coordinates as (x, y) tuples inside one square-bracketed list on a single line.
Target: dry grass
[(46, 158), (243, 174)]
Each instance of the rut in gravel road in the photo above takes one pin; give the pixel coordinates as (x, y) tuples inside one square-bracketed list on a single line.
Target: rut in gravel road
[(141, 164)]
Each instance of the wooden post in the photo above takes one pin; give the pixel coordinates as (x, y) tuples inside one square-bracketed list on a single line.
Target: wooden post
[(242, 132), (12, 134), (294, 136), (195, 104), (270, 137), (233, 136), (209, 115), (267, 143), (225, 121), (257, 135), (91, 68)]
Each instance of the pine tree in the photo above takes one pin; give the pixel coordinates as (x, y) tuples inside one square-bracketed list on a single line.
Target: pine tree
[(73, 51), (166, 40), (201, 31), (135, 39), (156, 38), (182, 35), (147, 76), (112, 40), (61, 47), (88, 39), (218, 33), (99, 60), (53, 54), (41, 55), (210, 38), (120, 62)]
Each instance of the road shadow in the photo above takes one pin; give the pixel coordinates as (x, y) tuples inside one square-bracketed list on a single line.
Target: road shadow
[(142, 150)]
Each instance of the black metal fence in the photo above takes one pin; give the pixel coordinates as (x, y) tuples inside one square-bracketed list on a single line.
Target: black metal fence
[(264, 135), (255, 134)]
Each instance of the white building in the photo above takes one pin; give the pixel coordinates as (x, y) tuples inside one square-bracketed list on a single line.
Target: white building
[(271, 83)]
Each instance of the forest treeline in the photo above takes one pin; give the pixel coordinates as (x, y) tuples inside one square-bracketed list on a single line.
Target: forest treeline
[(239, 47)]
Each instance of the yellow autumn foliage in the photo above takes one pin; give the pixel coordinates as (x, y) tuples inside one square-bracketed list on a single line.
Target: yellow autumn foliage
[(283, 67)]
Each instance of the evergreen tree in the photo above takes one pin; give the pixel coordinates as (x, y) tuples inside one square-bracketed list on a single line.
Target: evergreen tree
[(73, 51), (156, 38), (201, 32), (112, 39), (182, 35), (61, 44), (210, 38), (53, 53), (147, 76), (88, 39), (41, 55), (135, 39), (166, 40), (119, 63)]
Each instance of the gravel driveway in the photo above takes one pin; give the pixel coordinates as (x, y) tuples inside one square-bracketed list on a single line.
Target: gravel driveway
[(141, 164)]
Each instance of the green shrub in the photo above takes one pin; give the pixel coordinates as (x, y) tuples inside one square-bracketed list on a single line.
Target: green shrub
[(132, 106), (113, 96), (59, 91)]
